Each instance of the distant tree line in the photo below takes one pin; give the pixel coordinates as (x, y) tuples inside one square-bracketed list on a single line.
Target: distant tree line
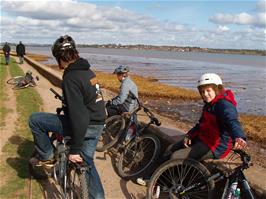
[(167, 48)]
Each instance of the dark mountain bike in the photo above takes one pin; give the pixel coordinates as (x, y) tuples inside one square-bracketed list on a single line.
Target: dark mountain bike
[(68, 175), (186, 179), (21, 82), (135, 150)]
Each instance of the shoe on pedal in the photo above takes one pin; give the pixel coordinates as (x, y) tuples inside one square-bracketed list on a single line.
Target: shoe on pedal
[(142, 182), (42, 163)]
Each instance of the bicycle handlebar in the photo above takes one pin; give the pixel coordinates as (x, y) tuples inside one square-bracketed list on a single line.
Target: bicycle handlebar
[(57, 95), (245, 158), (153, 119)]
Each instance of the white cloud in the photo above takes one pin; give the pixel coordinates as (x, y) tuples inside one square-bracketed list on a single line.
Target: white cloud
[(43, 21), (223, 28), (261, 6), (258, 20)]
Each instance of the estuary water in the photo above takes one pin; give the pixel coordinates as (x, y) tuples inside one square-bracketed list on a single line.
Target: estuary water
[(244, 74)]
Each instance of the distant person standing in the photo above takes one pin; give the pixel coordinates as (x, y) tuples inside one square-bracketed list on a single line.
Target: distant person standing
[(6, 50), (20, 49)]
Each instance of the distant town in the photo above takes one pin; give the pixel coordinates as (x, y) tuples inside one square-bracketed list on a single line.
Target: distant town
[(166, 48), (179, 49)]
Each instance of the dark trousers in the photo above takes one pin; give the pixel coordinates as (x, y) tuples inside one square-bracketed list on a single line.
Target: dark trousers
[(197, 151), (115, 110)]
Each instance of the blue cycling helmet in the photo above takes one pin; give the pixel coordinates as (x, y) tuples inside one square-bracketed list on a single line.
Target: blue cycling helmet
[(121, 69)]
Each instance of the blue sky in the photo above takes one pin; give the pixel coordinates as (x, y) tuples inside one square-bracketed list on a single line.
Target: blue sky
[(212, 24)]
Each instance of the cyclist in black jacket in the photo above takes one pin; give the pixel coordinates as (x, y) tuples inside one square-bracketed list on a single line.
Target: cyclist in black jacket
[(83, 117)]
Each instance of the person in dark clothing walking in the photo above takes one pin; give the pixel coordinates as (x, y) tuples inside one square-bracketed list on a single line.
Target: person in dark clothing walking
[(6, 50), (20, 49), (83, 118)]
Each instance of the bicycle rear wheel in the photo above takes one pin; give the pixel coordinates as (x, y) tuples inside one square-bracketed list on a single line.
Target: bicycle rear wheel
[(114, 127), (15, 80), (178, 178), (77, 185), (138, 156), (18, 87)]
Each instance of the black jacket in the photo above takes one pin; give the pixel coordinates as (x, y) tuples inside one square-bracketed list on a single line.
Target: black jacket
[(80, 97), (20, 49), (6, 49)]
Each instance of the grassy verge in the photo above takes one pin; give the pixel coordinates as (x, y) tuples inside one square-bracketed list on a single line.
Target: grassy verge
[(38, 57), (18, 149), (3, 97), (254, 126), (149, 87)]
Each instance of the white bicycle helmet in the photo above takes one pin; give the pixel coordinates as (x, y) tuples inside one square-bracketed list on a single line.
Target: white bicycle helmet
[(210, 78)]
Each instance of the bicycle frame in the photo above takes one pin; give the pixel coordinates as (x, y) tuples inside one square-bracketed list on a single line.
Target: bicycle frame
[(132, 120), (236, 175), (61, 155)]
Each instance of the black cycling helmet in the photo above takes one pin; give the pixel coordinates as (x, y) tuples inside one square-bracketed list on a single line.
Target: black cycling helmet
[(61, 44), (121, 69)]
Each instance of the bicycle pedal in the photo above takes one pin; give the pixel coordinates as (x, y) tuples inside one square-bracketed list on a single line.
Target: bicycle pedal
[(113, 151)]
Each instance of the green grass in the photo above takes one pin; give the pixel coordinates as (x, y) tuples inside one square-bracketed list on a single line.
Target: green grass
[(14, 171), (3, 97)]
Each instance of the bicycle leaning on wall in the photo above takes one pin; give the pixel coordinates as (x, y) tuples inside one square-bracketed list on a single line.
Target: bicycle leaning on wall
[(135, 149)]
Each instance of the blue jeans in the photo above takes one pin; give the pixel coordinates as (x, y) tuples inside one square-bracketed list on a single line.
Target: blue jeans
[(42, 123), (21, 58), (7, 59)]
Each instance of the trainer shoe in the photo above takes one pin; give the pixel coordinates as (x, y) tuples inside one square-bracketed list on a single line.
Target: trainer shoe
[(42, 163), (142, 182)]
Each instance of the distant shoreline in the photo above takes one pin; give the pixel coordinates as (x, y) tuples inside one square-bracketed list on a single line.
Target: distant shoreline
[(166, 48)]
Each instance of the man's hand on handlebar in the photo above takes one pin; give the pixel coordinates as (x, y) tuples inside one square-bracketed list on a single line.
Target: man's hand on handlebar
[(76, 158)]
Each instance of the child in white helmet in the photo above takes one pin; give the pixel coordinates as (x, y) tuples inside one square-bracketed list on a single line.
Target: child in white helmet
[(218, 130)]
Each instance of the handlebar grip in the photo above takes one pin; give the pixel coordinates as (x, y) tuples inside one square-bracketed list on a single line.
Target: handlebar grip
[(157, 122), (54, 92), (57, 95)]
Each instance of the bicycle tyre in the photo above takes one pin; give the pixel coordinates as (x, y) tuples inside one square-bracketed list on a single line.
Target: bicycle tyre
[(138, 156), (77, 184), (17, 87), (15, 80), (177, 173), (113, 129)]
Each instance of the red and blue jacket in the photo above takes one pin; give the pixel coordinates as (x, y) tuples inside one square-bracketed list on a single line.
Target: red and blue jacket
[(219, 126)]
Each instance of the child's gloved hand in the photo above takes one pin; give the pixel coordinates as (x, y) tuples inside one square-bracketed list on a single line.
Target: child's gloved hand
[(240, 144), (187, 141)]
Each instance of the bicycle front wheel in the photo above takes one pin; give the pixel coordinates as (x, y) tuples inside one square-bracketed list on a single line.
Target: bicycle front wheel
[(15, 80), (113, 128), (77, 185), (138, 156), (178, 178)]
